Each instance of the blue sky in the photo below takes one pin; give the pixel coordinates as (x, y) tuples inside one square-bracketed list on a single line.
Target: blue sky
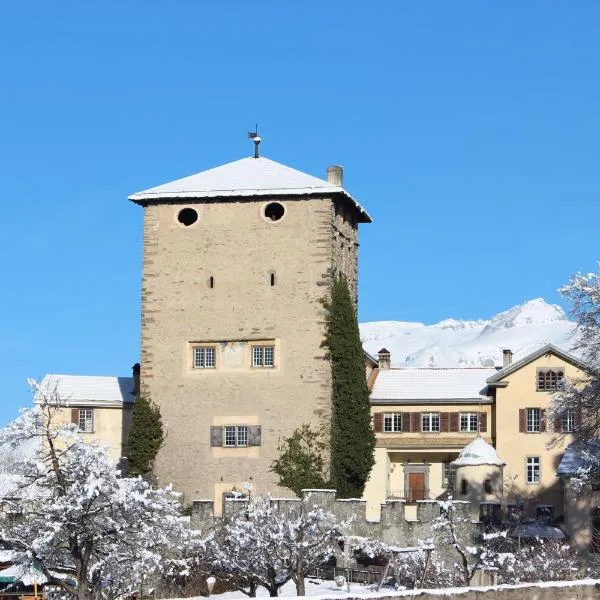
[(469, 130)]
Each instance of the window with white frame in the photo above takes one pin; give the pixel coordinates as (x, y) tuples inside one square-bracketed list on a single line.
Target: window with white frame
[(448, 475), (392, 422), (86, 420), (549, 380), (469, 421), (568, 421), (430, 422), (235, 436), (533, 420), (204, 357), (533, 469), (263, 356)]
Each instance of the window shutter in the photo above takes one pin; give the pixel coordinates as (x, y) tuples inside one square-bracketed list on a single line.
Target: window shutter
[(216, 436), (405, 418), (577, 419), (558, 424), (75, 416), (453, 422), (522, 420), (378, 422), (543, 419), (444, 421), (254, 434), (415, 421), (483, 422)]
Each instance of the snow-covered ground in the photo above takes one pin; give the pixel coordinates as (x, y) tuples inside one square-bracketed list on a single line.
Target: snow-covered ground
[(327, 589), (453, 343)]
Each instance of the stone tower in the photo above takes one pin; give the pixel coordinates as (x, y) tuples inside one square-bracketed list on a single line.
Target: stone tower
[(237, 261)]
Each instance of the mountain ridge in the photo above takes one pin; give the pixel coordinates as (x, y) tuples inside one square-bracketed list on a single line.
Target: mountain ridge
[(472, 343)]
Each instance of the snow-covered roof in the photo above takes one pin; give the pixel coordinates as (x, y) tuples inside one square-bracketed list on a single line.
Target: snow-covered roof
[(578, 456), (547, 349), (408, 385), (89, 389), (246, 177), (478, 452), (539, 530)]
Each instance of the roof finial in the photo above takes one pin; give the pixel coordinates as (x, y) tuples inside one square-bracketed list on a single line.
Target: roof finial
[(253, 135)]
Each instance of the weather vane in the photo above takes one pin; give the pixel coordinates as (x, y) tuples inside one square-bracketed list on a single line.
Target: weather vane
[(253, 135)]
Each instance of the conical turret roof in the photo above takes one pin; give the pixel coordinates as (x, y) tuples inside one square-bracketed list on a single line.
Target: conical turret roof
[(478, 452)]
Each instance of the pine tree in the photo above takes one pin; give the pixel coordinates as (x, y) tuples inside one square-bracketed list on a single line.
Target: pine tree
[(145, 437), (352, 438)]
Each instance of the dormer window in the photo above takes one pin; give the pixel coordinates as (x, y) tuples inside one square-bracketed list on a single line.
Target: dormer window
[(549, 380)]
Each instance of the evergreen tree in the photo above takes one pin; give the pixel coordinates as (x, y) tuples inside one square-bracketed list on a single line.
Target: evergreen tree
[(145, 437), (352, 438), (300, 464)]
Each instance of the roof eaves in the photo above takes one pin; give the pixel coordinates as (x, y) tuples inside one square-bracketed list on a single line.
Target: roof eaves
[(548, 348)]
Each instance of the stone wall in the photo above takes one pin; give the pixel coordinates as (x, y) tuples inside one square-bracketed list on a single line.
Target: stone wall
[(210, 284), (393, 527)]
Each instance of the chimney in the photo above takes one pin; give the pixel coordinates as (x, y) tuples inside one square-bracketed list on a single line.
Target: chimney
[(335, 175), (135, 371), (506, 358), (385, 359)]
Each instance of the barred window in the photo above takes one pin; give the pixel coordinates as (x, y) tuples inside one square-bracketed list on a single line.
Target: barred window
[(533, 469), (448, 476), (86, 420), (469, 421), (263, 356), (549, 379), (568, 421), (533, 420), (430, 422), (235, 435), (392, 422), (204, 357)]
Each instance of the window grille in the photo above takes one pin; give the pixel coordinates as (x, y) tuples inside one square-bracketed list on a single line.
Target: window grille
[(533, 420), (263, 356), (568, 421), (86, 420), (430, 422), (392, 422), (533, 469), (235, 436), (204, 357), (469, 421), (549, 379)]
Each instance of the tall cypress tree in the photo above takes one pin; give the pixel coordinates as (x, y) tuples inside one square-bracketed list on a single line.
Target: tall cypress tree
[(144, 439), (352, 438)]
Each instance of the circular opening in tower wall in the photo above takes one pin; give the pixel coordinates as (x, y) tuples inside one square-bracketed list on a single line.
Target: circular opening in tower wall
[(187, 216), (274, 211)]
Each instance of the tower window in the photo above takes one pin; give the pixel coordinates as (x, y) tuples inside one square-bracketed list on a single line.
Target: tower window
[(204, 357), (464, 487), (187, 216), (487, 486), (211, 282), (263, 356), (274, 211), (272, 279)]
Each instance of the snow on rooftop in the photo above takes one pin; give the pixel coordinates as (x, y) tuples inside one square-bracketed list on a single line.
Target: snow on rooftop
[(411, 384), (478, 452), (245, 177), (90, 389)]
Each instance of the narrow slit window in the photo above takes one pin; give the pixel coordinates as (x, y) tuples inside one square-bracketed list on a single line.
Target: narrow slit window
[(211, 282), (272, 278)]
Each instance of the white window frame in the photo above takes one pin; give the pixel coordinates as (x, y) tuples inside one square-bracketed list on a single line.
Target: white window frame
[(392, 422), (204, 357), (430, 422), (568, 421), (533, 422), (85, 420), (533, 470), (470, 420), (263, 356), (235, 436)]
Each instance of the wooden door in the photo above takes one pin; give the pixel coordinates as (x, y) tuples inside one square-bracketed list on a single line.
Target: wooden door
[(416, 487)]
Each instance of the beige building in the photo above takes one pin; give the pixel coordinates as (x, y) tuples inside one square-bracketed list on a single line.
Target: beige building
[(100, 406), (237, 261), (424, 417)]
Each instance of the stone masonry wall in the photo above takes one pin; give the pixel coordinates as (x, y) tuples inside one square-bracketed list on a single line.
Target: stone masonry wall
[(235, 245)]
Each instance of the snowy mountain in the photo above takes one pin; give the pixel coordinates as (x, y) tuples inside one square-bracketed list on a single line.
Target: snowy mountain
[(454, 343)]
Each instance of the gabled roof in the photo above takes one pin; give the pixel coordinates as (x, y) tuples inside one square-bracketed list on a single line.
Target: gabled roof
[(430, 385), (246, 177), (547, 349), (90, 390)]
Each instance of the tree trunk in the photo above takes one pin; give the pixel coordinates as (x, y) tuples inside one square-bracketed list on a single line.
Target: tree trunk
[(273, 592), (300, 589)]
